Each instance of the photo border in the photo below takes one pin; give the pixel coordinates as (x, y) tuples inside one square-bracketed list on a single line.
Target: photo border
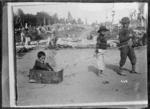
[(11, 51)]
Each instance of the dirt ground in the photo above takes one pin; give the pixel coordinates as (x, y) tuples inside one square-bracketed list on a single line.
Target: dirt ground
[(81, 84)]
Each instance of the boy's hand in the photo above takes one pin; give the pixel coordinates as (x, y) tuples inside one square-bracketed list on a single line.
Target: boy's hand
[(130, 43), (51, 69), (96, 51), (47, 64), (131, 35)]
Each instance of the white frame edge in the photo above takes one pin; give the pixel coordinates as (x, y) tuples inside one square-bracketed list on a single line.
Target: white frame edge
[(12, 73), (11, 57)]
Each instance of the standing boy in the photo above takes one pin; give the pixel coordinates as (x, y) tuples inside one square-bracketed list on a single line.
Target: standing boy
[(126, 37), (101, 46)]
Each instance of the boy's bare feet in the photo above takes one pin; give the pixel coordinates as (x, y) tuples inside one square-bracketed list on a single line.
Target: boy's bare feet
[(100, 73)]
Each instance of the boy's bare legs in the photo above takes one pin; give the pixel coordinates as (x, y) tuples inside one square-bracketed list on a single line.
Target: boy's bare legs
[(100, 63), (100, 73)]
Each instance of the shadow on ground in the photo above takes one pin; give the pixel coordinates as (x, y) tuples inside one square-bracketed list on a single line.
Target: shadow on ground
[(115, 68), (93, 69), (109, 66)]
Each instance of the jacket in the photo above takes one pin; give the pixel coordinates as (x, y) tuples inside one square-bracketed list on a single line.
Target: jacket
[(42, 66), (124, 36), (101, 42)]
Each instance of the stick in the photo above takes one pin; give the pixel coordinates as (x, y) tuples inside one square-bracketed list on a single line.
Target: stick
[(118, 47)]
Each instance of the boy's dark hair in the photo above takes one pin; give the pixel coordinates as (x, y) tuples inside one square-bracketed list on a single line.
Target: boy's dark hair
[(40, 54)]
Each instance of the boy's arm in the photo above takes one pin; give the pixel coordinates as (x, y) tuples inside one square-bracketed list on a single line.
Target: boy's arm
[(133, 34), (41, 65), (49, 66), (97, 44), (123, 37)]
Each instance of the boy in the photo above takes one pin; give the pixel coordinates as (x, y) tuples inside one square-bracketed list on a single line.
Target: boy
[(39, 63), (101, 46), (127, 38)]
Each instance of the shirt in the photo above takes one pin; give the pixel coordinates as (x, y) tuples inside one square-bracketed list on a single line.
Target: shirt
[(124, 35), (42, 66), (101, 42)]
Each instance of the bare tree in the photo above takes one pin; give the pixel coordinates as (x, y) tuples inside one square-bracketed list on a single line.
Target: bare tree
[(113, 15), (141, 8), (141, 12), (69, 17), (21, 17)]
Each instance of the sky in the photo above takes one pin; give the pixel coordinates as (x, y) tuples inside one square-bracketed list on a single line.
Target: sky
[(92, 11)]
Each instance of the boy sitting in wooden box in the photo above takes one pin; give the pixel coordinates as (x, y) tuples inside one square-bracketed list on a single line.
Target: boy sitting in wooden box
[(44, 71), (39, 63)]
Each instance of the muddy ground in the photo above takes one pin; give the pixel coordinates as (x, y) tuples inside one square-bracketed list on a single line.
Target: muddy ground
[(81, 84)]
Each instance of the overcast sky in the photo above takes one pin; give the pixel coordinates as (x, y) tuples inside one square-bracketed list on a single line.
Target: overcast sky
[(92, 11)]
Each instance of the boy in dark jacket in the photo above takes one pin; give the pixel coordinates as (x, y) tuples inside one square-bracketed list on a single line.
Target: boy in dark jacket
[(101, 46), (39, 63), (126, 37)]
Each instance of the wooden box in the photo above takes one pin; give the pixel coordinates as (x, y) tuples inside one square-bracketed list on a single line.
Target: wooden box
[(45, 77)]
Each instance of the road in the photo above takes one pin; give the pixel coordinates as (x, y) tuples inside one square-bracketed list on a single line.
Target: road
[(81, 84)]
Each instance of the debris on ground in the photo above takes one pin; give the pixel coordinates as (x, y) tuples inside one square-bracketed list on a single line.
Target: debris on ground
[(105, 82), (116, 90)]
